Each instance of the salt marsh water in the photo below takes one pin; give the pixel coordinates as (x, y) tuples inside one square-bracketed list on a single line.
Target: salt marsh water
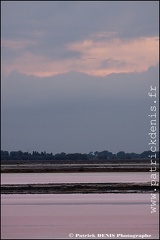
[(57, 216), (22, 178)]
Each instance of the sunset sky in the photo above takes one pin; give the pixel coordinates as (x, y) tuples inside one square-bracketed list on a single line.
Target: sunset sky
[(76, 75)]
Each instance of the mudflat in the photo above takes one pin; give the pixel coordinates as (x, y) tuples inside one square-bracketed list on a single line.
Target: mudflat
[(56, 168), (69, 188)]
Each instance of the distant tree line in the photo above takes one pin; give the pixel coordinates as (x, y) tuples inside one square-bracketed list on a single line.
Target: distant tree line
[(103, 155)]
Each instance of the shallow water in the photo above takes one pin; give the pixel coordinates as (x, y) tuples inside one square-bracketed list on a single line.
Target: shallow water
[(56, 216), (22, 178)]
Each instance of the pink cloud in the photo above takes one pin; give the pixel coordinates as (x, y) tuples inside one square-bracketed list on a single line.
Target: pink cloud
[(138, 54), (17, 44), (100, 55)]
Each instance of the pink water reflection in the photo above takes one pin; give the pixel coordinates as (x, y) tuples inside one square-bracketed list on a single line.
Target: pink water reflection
[(55, 216), (22, 178)]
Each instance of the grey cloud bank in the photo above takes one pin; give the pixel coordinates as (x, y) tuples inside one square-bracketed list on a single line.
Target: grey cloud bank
[(75, 112), (53, 25)]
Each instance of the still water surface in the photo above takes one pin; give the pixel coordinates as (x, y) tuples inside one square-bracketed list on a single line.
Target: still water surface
[(22, 178), (54, 216)]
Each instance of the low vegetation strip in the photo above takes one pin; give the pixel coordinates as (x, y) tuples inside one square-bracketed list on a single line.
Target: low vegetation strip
[(69, 188), (57, 168)]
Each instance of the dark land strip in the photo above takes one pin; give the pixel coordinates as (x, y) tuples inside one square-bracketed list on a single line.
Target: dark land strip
[(82, 188), (60, 168)]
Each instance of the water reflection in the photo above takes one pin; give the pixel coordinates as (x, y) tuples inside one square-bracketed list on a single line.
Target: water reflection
[(55, 216), (22, 178)]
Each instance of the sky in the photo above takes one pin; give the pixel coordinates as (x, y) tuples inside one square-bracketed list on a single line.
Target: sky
[(76, 75)]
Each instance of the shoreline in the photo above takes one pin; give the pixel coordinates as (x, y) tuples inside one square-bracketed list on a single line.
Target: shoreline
[(81, 188), (73, 168)]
